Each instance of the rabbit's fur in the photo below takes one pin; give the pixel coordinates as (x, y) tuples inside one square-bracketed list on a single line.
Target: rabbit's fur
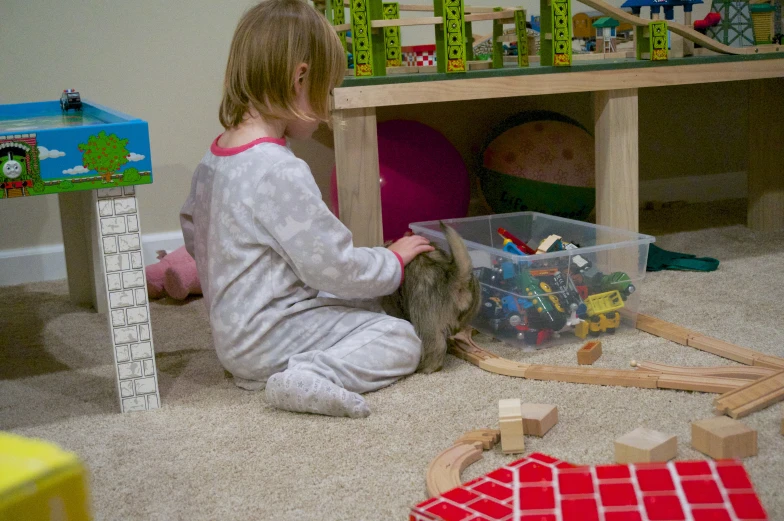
[(440, 295)]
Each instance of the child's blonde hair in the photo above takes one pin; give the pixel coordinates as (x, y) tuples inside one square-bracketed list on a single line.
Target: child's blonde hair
[(271, 40)]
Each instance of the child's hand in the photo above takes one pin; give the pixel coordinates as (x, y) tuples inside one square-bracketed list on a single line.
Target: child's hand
[(410, 246)]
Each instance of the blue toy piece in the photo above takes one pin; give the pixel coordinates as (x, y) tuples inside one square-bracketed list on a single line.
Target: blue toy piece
[(510, 247), (510, 304), (508, 270)]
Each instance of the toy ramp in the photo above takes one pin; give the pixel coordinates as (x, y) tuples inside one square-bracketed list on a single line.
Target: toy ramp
[(686, 32)]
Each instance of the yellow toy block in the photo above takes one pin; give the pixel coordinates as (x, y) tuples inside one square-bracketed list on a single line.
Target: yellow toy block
[(41, 482)]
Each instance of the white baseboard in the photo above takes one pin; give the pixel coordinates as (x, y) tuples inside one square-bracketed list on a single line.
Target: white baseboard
[(695, 189), (42, 263)]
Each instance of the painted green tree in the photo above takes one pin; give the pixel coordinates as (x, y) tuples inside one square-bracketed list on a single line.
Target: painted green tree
[(104, 153)]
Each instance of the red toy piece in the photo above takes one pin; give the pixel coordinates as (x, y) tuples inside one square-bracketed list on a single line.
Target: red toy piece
[(174, 276), (710, 20), (542, 488), (517, 242)]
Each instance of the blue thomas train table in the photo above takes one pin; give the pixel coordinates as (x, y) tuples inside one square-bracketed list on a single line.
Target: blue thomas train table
[(92, 157)]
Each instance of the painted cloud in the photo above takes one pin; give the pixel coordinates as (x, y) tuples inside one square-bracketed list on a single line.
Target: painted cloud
[(45, 153), (79, 169)]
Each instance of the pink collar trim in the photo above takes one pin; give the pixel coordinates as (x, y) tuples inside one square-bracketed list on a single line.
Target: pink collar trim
[(221, 151)]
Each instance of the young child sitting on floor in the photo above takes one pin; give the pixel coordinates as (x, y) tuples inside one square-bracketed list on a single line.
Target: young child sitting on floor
[(265, 243)]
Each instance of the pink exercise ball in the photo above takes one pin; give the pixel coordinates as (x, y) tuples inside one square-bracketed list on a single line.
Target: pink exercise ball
[(423, 177)]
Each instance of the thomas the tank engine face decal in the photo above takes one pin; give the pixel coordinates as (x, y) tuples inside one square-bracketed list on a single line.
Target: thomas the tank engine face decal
[(12, 168)]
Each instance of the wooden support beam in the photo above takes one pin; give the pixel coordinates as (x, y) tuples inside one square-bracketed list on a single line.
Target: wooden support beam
[(766, 162), (429, 8), (359, 192), (507, 16), (403, 22), (617, 161)]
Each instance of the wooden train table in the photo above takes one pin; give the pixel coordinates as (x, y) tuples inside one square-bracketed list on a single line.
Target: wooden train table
[(614, 85), (92, 158)]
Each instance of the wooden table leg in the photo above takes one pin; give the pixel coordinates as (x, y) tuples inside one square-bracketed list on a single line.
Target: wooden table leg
[(766, 159), (126, 292), (78, 221), (617, 163), (359, 189)]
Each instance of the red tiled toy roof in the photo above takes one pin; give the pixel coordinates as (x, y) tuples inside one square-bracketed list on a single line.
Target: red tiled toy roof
[(541, 488)]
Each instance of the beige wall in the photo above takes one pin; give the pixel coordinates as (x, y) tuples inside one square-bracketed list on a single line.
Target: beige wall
[(163, 62)]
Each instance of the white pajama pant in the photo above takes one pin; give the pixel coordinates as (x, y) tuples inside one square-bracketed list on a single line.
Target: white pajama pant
[(358, 348)]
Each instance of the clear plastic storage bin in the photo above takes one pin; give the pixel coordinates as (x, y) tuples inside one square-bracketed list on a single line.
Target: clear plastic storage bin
[(587, 284)]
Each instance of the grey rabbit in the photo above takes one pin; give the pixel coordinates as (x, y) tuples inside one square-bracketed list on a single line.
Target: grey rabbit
[(440, 295)]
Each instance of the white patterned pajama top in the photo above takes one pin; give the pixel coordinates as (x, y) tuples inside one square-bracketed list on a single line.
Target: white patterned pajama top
[(265, 244)]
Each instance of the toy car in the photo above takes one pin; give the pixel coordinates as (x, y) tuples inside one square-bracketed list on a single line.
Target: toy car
[(70, 99)]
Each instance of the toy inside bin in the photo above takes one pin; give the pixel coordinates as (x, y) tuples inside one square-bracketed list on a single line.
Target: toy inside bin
[(587, 284)]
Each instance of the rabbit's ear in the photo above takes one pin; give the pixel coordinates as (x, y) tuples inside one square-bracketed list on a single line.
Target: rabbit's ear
[(460, 256)]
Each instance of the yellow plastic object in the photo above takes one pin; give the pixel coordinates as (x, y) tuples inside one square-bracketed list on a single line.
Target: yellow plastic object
[(604, 322), (41, 482), (603, 302), (581, 329)]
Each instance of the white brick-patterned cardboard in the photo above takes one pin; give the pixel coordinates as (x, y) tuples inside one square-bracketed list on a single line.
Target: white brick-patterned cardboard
[(126, 288)]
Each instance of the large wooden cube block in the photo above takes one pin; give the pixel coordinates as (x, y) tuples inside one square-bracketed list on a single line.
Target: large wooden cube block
[(722, 437), (645, 446), (538, 418), (510, 422)]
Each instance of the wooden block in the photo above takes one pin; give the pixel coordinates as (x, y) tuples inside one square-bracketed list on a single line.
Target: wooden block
[(723, 438), (645, 446), (538, 418), (510, 421), (589, 352), (752, 397)]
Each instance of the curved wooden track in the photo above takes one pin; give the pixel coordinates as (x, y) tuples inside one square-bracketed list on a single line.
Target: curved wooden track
[(443, 473), (680, 29), (464, 347)]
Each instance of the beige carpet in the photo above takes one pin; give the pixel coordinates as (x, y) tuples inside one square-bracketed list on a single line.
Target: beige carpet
[(216, 452)]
